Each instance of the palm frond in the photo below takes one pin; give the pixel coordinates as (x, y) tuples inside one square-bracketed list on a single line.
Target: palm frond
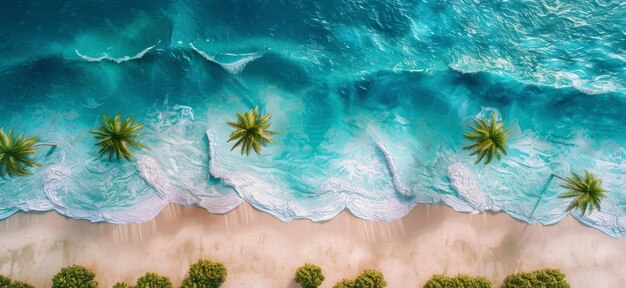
[(489, 139), (251, 131), (16, 154), (587, 192), (117, 137)]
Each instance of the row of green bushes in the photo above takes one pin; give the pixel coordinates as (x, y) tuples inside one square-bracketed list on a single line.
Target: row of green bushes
[(545, 278), (5, 282), (208, 274), (202, 274), (310, 276)]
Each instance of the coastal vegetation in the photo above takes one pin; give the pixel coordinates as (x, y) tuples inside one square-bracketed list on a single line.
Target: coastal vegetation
[(20, 284), (458, 281), (6, 282), (116, 138), (587, 191), (206, 274), (344, 283), (16, 153), (251, 131), (544, 278), (74, 276), (369, 278), (153, 280), (489, 139), (309, 276)]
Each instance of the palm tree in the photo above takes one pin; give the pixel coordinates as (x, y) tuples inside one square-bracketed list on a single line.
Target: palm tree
[(489, 139), (251, 131), (16, 153), (117, 137), (587, 192)]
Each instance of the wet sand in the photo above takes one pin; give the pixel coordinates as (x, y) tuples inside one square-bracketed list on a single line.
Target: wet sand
[(261, 251)]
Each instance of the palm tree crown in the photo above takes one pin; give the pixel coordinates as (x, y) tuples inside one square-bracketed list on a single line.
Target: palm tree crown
[(16, 153), (587, 192), (117, 137), (489, 139), (251, 131)]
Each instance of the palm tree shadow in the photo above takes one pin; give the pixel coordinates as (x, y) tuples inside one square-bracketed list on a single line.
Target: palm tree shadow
[(524, 232), (543, 191), (50, 151)]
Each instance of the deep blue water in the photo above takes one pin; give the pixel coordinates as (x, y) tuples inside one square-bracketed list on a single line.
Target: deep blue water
[(371, 99)]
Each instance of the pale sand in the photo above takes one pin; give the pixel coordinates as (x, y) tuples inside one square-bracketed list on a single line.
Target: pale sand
[(261, 251)]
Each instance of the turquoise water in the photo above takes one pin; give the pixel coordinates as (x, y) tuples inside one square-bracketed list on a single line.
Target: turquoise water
[(371, 99)]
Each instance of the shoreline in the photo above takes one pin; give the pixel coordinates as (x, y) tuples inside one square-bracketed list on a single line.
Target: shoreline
[(258, 249)]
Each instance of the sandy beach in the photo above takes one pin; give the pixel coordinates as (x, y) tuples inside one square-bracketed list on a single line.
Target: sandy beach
[(261, 251)]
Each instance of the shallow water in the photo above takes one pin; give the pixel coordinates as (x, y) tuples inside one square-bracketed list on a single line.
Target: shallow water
[(370, 98)]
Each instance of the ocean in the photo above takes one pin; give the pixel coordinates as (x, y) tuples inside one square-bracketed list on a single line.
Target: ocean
[(370, 99)]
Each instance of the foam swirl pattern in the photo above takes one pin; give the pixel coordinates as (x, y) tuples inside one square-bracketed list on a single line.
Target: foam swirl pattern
[(371, 99)]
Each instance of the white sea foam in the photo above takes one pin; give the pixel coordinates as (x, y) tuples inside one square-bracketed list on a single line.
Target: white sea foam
[(463, 182), (57, 180), (558, 79), (268, 193), (399, 186), (465, 69), (149, 171), (181, 149), (234, 67), (113, 59)]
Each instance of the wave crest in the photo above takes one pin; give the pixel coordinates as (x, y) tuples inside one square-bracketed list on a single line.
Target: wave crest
[(234, 67), (113, 59)]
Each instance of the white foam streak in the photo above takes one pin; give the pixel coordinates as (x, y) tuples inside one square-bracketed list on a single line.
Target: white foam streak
[(56, 180), (232, 68), (116, 60), (462, 181), (401, 188)]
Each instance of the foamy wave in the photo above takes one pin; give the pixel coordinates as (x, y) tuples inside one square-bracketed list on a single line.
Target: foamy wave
[(585, 88), (465, 70), (462, 181), (234, 67), (398, 185), (333, 195), (178, 140), (149, 171), (113, 59), (57, 180), (610, 219), (560, 79)]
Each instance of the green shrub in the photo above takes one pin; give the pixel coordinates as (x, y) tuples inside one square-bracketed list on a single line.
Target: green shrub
[(345, 283), (519, 280), (467, 281), (439, 281), (370, 279), (4, 281), (545, 278), (458, 281), (20, 284), (153, 280), (121, 285), (74, 276), (205, 274), (309, 276)]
